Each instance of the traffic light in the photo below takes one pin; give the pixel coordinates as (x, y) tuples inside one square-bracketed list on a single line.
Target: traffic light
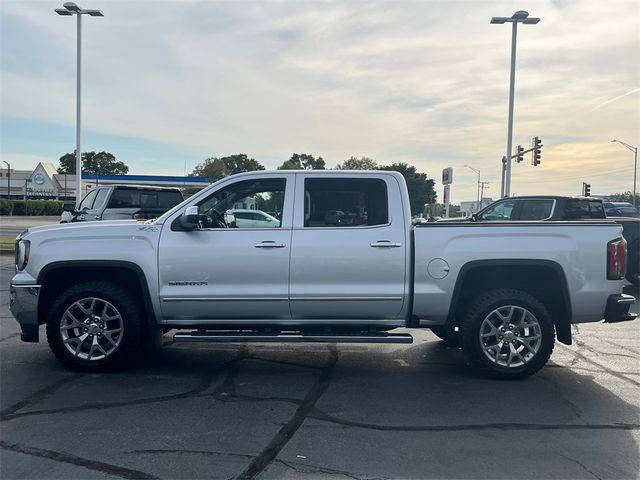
[(519, 153), (586, 189), (536, 151)]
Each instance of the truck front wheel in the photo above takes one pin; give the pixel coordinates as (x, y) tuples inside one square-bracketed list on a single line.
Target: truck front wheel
[(95, 326), (507, 334)]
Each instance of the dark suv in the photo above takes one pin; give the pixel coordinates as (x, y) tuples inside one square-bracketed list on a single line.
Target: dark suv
[(556, 208), (542, 208), (120, 202)]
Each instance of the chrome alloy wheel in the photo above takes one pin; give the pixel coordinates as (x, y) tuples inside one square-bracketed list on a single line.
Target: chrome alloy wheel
[(91, 329), (510, 336)]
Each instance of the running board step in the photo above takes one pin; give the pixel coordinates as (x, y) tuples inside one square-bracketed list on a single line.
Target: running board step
[(235, 337)]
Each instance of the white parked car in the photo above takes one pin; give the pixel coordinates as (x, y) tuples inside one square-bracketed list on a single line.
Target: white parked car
[(253, 218)]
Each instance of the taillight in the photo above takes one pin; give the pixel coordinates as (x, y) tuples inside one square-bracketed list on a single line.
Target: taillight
[(616, 259), (138, 216)]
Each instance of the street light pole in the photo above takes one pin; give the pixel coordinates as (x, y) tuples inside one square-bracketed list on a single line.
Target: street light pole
[(8, 180), (478, 189), (635, 166), (69, 9), (519, 17)]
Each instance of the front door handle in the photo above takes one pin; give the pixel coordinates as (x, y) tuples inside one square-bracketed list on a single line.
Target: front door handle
[(269, 244), (386, 244)]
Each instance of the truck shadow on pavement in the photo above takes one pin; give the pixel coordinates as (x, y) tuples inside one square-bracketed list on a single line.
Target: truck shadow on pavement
[(242, 405)]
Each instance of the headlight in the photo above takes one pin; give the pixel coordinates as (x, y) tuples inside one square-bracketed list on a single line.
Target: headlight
[(22, 254)]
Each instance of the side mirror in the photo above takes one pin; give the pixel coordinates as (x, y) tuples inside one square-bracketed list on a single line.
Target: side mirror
[(474, 217), (189, 219)]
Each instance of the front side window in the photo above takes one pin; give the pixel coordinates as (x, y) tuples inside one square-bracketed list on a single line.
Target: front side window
[(345, 202), (87, 202), (244, 205), (499, 211), (101, 197)]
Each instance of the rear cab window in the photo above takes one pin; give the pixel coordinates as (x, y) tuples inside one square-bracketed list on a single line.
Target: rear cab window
[(577, 209)]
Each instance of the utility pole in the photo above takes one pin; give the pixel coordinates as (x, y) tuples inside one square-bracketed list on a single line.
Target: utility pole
[(70, 9), (8, 180), (635, 167), (482, 187), (519, 17)]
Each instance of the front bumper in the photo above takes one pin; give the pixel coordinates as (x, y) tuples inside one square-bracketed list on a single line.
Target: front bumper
[(23, 303), (618, 308)]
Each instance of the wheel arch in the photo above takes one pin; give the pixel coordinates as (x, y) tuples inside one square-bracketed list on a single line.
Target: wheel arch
[(544, 279), (58, 276)]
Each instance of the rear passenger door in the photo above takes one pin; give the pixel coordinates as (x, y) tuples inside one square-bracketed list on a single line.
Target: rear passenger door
[(348, 257)]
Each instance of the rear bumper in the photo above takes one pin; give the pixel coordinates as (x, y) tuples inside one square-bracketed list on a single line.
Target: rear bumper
[(618, 308), (23, 303)]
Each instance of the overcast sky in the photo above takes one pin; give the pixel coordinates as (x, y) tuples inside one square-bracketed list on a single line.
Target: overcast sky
[(167, 84)]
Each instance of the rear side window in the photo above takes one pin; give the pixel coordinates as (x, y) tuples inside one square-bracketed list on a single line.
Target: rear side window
[(169, 199), (536, 209), (125, 198), (345, 202), (132, 198), (583, 209)]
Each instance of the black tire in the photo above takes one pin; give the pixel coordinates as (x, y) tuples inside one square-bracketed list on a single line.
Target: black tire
[(483, 308), (450, 337), (132, 340)]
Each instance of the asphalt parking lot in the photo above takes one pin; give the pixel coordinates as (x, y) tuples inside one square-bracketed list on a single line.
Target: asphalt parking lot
[(321, 411)]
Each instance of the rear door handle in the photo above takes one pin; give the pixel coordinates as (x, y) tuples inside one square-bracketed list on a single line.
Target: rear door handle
[(386, 244), (269, 244)]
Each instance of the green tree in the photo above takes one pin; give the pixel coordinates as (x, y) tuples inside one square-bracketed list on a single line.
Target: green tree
[(362, 163), (100, 163), (214, 167), (303, 161), (420, 187), (622, 197)]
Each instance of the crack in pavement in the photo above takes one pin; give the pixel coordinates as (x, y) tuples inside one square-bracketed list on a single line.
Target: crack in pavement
[(299, 467), (604, 368), (628, 349), (318, 414), (62, 457), (580, 464), (13, 335), (39, 395), (307, 468), (202, 385), (577, 411), (277, 443)]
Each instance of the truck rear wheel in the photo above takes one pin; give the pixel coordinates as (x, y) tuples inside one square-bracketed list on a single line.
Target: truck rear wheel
[(507, 334), (95, 326)]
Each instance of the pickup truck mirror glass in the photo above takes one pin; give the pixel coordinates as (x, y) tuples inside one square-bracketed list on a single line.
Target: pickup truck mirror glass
[(190, 217)]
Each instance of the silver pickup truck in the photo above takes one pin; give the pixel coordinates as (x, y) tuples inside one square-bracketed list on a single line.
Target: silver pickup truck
[(343, 264)]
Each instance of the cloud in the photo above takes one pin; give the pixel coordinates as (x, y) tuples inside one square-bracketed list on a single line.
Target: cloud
[(422, 82)]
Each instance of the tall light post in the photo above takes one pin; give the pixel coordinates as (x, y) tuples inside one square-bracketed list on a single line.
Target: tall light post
[(69, 9), (635, 165), (8, 180), (519, 17), (478, 189)]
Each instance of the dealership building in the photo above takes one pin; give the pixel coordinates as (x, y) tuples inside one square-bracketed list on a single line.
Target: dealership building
[(45, 182)]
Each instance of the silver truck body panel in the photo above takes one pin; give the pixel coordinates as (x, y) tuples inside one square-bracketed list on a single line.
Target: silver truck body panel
[(579, 250)]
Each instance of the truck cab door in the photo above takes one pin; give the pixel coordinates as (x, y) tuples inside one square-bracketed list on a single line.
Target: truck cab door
[(349, 249), (218, 273)]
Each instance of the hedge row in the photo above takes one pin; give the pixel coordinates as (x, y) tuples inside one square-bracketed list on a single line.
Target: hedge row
[(31, 207)]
